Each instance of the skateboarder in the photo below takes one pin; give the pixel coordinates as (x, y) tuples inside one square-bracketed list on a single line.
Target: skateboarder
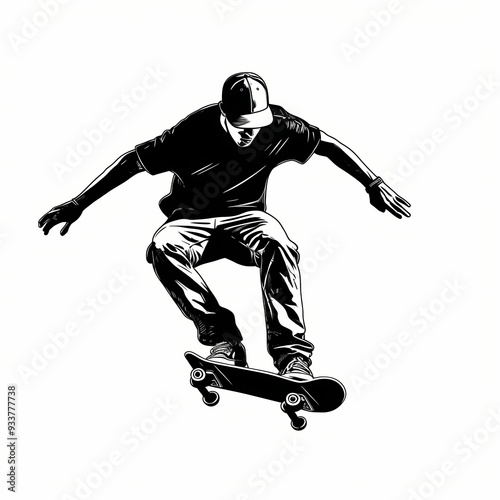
[(221, 157)]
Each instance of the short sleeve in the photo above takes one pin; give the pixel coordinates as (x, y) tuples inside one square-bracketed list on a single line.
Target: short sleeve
[(162, 153), (301, 138)]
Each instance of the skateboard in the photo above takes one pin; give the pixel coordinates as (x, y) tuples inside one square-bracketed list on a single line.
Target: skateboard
[(320, 394)]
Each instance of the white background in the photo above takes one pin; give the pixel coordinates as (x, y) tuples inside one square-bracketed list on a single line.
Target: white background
[(394, 431)]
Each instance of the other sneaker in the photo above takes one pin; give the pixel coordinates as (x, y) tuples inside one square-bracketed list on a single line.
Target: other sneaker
[(229, 354), (298, 369)]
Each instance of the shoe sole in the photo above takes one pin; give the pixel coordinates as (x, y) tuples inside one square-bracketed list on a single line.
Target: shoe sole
[(300, 378), (226, 361)]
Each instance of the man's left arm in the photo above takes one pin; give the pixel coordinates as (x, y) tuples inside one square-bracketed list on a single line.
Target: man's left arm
[(382, 197)]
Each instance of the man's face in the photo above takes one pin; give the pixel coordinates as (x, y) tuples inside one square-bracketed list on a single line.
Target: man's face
[(243, 137)]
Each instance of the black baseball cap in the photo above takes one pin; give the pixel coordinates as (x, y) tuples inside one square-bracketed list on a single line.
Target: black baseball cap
[(245, 101)]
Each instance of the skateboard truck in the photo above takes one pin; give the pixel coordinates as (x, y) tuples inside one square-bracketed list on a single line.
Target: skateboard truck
[(200, 381), (290, 406)]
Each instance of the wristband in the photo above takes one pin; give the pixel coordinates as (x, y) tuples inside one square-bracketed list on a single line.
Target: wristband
[(374, 183)]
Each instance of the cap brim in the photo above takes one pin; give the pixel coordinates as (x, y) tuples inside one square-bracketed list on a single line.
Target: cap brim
[(258, 119)]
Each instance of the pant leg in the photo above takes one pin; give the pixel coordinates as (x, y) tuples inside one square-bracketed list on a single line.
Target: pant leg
[(277, 257), (175, 251)]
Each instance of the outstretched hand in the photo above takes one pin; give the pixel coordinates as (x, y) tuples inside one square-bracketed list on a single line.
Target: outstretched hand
[(66, 212), (383, 198)]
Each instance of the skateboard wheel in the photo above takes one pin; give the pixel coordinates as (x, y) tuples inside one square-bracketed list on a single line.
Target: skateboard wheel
[(198, 375), (299, 423), (293, 401), (211, 398)]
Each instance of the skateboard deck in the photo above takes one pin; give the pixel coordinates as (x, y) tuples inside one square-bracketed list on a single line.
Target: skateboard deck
[(322, 394)]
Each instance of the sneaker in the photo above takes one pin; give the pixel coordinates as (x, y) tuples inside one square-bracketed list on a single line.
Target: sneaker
[(298, 369), (229, 354)]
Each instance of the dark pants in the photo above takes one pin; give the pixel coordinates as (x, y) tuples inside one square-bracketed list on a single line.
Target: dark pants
[(181, 245)]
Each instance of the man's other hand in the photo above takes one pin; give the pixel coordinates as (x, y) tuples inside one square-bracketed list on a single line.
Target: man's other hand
[(66, 212), (383, 198)]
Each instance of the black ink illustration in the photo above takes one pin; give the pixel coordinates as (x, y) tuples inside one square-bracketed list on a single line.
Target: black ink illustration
[(221, 157), (320, 394)]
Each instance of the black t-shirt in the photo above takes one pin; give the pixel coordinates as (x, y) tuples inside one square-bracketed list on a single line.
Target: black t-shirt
[(214, 176)]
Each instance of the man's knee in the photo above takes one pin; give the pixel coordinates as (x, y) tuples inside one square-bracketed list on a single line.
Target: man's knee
[(286, 248), (168, 239), (274, 236), (166, 242), (162, 237), (149, 253)]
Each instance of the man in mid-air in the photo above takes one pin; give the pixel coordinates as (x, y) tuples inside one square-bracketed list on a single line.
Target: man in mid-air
[(221, 157)]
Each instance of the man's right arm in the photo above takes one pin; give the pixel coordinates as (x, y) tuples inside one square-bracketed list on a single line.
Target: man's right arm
[(125, 167), (120, 171)]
